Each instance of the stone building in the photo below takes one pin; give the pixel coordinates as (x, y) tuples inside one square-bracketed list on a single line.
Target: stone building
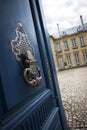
[(70, 47)]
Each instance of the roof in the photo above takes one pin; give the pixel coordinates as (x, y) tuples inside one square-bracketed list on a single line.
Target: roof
[(70, 31)]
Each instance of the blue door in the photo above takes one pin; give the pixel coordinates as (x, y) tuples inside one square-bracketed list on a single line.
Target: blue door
[(29, 98)]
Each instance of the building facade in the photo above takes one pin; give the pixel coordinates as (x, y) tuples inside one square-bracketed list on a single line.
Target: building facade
[(70, 48)]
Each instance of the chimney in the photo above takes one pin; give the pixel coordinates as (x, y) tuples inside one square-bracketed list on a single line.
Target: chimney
[(58, 29), (82, 21)]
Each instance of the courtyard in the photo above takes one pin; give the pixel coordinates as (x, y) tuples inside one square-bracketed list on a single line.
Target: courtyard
[(73, 88)]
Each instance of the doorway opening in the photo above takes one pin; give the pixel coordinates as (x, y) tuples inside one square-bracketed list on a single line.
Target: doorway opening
[(68, 40)]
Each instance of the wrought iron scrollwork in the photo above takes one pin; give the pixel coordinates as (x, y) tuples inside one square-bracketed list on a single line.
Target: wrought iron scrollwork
[(24, 53)]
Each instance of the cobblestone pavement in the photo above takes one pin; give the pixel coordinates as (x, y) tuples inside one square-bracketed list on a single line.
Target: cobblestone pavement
[(73, 88)]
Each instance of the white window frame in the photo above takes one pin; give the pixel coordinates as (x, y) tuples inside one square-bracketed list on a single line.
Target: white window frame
[(66, 45), (61, 62), (69, 59), (58, 47), (82, 41), (85, 56), (74, 43), (77, 58)]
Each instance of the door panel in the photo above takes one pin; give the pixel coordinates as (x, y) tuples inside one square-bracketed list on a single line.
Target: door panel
[(34, 115), (14, 85), (24, 107)]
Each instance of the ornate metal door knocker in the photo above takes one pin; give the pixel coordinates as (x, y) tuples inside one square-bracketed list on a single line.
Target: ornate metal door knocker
[(24, 53)]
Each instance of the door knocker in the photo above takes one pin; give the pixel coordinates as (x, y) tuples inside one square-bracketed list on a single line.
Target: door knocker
[(24, 53)]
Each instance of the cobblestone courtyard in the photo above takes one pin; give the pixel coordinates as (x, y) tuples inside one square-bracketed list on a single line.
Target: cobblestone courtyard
[(73, 87)]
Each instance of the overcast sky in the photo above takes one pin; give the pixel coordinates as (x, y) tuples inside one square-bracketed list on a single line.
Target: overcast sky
[(64, 12)]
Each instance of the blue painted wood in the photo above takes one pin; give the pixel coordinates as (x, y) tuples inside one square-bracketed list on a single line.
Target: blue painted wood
[(32, 115), (40, 40), (53, 122), (51, 65), (14, 85), (42, 48), (3, 106), (24, 107)]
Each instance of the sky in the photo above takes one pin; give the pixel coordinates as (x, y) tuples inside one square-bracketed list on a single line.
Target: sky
[(66, 13)]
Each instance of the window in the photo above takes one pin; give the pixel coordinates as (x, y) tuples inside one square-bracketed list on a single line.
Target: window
[(85, 56), (58, 48), (69, 59), (61, 63), (73, 43), (66, 45), (82, 41), (77, 58)]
